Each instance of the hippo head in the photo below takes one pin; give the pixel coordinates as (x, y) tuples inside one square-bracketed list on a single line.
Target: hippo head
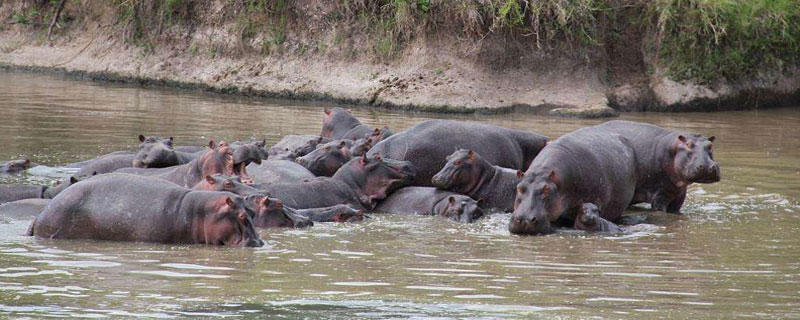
[(694, 159), (15, 166), (52, 192), (374, 178), (361, 147), (270, 213), (219, 160), (462, 173), (337, 119), (155, 152), (460, 208), (344, 213), (538, 203), (588, 215), (327, 159), (249, 151), (219, 182), (229, 223)]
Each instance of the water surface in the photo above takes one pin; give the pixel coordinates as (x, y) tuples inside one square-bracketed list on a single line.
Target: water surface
[(734, 253)]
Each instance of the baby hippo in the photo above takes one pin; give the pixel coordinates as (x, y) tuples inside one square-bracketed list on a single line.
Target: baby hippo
[(430, 201), (124, 207), (589, 219), (327, 158), (466, 172)]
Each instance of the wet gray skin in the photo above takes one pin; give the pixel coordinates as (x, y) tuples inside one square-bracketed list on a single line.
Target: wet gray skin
[(327, 158)]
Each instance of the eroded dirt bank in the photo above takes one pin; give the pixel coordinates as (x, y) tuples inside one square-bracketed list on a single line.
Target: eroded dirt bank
[(434, 71)]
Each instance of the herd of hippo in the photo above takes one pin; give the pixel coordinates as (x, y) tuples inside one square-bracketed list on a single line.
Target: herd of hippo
[(220, 193)]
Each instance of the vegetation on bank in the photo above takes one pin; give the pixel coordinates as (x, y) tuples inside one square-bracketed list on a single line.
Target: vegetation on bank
[(701, 40)]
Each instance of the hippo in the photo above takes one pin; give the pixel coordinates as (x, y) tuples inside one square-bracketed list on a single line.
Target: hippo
[(467, 173), (107, 163), (253, 150), (361, 147), (667, 162), (293, 146), (432, 202), (16, 166), (270, 213), (124, 207), (278, 171), (587, 165), (14, 192), (327, 158), (337, 213), (25, 209), (216, 159), (360, 183), (156, 152), (589, 219), (52, 192), (81, 164), (339, 123), (428, 144)]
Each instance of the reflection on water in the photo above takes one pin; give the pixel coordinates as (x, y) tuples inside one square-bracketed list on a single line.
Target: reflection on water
[(735, 252)]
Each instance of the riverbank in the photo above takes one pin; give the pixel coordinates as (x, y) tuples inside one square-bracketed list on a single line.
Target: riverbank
[(396, 56)]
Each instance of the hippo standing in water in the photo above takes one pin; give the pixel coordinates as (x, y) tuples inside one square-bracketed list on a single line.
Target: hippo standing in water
[(432, 202), (428, 144), (667, 162), (217, 159), (122, 207), (589, 165), (339, 123), (360, 183), (24, 209), (157, 152), (16, 166), (467, 173), (327, 158)]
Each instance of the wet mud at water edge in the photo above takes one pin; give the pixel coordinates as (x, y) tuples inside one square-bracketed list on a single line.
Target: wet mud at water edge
[(734, 253)]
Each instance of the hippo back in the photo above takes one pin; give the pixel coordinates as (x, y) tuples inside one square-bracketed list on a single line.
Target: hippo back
[(428, 144)]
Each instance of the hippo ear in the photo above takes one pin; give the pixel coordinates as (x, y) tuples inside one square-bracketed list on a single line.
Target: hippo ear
[(94, 173), (58, 182), (363, 159), (27, 162), (480, 201), (229, 201), (170, 139), (343, 144), (265, 201), (711, 138), (141, 138), (211, 144), (73, 180), (377, 131), (327, 111), (209, 179), (451, 199), (682, 138), (471, 155), (520, 174), (552, 176)]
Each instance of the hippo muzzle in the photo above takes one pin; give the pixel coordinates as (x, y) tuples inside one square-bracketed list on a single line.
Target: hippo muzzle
[(529, 225)]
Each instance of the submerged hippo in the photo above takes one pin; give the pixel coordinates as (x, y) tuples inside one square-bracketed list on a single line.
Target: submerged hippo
[(337, 213), (270, 213), (216, 159), (52, 192), (278, 171), (667, 162), (107, 163), (294, 146), (467, 173), (360, 183), (428, 144), (327, 158), (14, 192), (16, 166), (589, 219), (589, 165), (24, 209), (123, 207), (432, 202)]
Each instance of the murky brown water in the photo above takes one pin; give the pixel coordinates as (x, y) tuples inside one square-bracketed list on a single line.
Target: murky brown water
[(735, 252)]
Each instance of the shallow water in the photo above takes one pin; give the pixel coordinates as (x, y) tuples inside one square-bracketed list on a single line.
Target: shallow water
[(734, 253)]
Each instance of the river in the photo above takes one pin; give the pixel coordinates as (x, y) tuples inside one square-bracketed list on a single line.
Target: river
[(735, 252)]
